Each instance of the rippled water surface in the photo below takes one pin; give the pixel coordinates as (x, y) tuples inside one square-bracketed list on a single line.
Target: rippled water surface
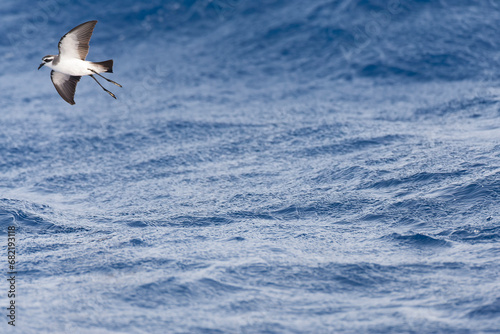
[(268, 167)]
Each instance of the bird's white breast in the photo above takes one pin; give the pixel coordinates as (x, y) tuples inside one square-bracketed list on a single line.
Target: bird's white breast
[(72, 66)]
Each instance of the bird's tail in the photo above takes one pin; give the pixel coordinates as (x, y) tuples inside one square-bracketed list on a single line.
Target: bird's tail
[(105, 66)]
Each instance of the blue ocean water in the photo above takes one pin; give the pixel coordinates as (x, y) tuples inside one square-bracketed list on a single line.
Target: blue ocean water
[(269, 166)]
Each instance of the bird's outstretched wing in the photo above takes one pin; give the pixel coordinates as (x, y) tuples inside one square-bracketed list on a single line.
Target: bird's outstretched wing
[(65, 85), (75, 44)]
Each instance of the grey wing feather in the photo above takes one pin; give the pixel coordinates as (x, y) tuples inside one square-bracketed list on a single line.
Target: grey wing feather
[(75, 44), (65, 85)]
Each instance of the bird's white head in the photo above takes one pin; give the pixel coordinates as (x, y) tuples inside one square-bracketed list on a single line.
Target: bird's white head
[(47, 60)]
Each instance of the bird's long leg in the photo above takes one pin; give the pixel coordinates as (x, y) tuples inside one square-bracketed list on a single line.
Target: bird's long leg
[(107, 91), (109, 80)]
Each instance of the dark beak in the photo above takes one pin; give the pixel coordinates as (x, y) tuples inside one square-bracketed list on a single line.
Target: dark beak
[(39, 67)]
